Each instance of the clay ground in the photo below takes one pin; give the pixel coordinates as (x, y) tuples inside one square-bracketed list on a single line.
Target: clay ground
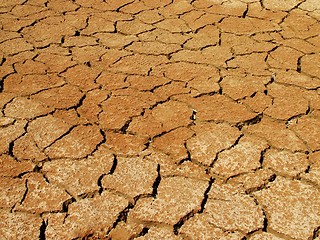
[(149, 119)]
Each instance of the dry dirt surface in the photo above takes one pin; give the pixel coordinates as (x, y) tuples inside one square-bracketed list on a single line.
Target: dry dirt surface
[(160, 119)]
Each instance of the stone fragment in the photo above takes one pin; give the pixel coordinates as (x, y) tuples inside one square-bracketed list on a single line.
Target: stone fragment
[(66, 96), (176, 197), (79, 143), (41, 196), (242, 158), (285, 162), (163, 118), (79, 176), (308, 129), (293, 207), (25, 108), (18, 225), (12, 191), (89, 216), (132, 177), (199, 227), (229, 208), (209, 139), (276, 134)]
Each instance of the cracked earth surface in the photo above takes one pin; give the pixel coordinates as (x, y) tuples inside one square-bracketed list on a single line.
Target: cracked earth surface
[(149, 119)]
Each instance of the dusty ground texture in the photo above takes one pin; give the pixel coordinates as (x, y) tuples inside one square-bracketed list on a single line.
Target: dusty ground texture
[(149, 119)]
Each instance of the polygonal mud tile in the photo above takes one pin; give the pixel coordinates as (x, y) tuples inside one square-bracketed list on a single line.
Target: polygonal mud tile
[(132, 176), (25, 108), (229, 208), (80, 142), (12, 191), (90, 216), (79, 176), (41, 196), (286, 162), (210, 139), (18, 225), (10, 167), (292, 207), (308, 129), (176, 197), (243, 157), (200, 228)]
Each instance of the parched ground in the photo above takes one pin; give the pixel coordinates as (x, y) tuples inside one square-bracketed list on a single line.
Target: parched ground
[(160, 119)]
